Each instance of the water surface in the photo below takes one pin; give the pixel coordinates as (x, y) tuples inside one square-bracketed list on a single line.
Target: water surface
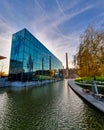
[(49, 107)]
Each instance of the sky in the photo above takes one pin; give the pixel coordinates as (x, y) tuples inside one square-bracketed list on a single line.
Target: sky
[(57, 24)]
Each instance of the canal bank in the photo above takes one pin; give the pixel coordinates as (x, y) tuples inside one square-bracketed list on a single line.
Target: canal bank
[(87, 96), (31, 83), (6, 83)]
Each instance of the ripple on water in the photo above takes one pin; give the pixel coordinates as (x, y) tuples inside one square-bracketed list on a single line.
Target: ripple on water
[(51, 107)]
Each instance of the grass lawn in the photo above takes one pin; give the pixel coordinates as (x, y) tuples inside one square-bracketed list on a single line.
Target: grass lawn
[(88, 80)]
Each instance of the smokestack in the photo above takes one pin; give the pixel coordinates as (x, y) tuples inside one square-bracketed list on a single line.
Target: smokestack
[(66, 61)]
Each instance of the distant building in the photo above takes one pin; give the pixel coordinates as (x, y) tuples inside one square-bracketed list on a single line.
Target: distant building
[(30, 57)]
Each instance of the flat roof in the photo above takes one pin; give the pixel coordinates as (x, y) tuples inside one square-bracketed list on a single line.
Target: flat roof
[(2, 57)]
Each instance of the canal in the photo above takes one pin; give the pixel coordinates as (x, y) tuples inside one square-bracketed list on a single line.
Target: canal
[(48, 107)]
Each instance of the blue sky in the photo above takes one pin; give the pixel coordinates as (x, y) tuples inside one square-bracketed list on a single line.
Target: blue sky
[(58, 24)]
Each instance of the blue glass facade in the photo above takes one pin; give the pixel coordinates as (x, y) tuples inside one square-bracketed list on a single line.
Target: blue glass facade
[(30, 56)]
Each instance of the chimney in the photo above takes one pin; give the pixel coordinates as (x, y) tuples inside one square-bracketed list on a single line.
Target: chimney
[(66, 60)]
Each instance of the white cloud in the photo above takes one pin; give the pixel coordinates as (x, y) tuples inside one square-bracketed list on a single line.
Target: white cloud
[(45, 26), (60, 8), (49, 33), (5, 41)]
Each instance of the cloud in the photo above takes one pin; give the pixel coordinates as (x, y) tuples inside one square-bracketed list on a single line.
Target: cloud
[(48, 21), (49, 30), (5, 41), (60, 8)]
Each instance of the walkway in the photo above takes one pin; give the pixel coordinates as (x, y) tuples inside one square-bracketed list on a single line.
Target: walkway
[(87, 96)]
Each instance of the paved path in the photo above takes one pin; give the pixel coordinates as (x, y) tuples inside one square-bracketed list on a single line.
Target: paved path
[(87, 96)]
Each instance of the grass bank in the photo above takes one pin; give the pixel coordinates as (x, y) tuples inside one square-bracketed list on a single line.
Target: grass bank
[(86, 82), (89, 79)]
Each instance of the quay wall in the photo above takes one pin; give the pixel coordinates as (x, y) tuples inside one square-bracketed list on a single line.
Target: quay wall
[(5, 83)]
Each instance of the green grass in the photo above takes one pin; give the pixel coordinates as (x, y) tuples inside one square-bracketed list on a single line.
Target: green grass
[(89, 79), (85, 80), (43, 77), (100, 78)]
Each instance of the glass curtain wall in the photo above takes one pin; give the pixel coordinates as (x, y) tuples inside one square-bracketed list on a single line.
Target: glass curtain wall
[(30, 57)]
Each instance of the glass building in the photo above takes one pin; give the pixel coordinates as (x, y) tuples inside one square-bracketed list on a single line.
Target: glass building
[(29, 58)]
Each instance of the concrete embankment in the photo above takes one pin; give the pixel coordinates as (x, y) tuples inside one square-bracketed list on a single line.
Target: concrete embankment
[(87, 96), (6, 83), (30, 83)]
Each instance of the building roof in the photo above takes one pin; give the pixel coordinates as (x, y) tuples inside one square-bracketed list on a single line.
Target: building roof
[(2, 57)]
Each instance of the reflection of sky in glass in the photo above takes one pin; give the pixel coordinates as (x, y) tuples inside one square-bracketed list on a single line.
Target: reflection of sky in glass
[(27, 49), (17, 47)]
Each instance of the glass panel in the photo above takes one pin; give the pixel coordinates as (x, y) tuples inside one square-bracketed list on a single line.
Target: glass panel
[(22, 49)]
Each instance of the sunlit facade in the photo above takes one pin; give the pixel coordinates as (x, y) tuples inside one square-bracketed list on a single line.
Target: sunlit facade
[(30, 56)]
